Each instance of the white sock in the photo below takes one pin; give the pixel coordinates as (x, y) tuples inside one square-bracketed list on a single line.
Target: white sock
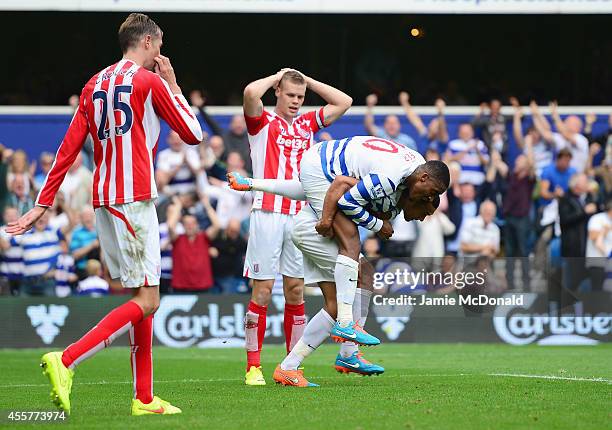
[(345, 275), (315, 333), (288, 188), (361, 306)]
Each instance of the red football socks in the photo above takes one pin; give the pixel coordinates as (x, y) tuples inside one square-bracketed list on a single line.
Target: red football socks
[(254, 331), (141, 360), (294, 323), (113, 325)]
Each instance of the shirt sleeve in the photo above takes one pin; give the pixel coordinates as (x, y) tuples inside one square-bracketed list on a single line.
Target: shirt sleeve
[(371, 187), (256, 123), (316, 118), (66, 154), (174, 109)]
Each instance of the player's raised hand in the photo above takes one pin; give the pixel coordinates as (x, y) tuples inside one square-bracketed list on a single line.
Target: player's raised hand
[(26, 222), (279, 75), (386, 231)]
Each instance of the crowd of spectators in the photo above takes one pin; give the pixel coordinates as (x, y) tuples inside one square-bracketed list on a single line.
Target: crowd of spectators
[(552, 200)]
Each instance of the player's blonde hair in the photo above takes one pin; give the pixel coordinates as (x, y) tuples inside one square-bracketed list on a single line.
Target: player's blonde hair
[(134, 28), (292, 76)]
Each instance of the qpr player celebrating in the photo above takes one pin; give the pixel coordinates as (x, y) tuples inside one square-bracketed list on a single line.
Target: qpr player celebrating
[(384, 178), (278, 139), (120, 108)]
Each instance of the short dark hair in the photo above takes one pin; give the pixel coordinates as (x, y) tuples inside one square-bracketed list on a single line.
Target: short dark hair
[(134, 28), (293, 76), (438, 170)]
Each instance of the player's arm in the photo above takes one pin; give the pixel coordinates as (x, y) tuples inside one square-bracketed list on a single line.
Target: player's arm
[(66, 154), (339, 186), (253, 92), (171, 105), (353, 202), (337, 101)]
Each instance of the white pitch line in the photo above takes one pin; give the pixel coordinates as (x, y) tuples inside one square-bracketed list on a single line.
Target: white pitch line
[(407, 375), (185, 381), (561, 378)]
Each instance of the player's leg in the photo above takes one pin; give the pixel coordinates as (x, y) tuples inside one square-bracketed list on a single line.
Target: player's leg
[(346, 277), (347, 266), (315, 333), (59, 366), (287, 188), (261, 265), (350, 359), (137, 228), (291, 267)]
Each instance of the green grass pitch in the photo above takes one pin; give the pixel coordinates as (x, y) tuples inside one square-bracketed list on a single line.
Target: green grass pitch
[(440, 386)]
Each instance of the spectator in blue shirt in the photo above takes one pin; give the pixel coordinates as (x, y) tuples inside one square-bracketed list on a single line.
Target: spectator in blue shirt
[(84, 244), (555, 178), (392, 129)]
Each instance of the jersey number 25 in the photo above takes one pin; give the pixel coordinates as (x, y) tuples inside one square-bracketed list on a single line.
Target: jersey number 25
[(117, 105)]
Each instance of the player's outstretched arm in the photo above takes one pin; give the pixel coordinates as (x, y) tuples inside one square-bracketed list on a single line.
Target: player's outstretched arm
[(66, 154), (337, 101)]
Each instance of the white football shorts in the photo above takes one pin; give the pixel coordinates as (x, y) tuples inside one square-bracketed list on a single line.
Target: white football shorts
[(129, 237), (270, 249)]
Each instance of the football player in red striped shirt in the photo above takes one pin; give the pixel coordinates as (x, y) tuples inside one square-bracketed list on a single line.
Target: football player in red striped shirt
[(120, 108), (278, 138)]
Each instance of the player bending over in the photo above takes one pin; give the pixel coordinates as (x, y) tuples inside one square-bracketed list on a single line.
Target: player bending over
[(364, 158), (119, 107), (349, 359)]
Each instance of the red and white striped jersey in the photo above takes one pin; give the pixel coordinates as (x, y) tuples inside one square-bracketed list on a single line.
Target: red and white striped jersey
[(120, 108), (276, 151)]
